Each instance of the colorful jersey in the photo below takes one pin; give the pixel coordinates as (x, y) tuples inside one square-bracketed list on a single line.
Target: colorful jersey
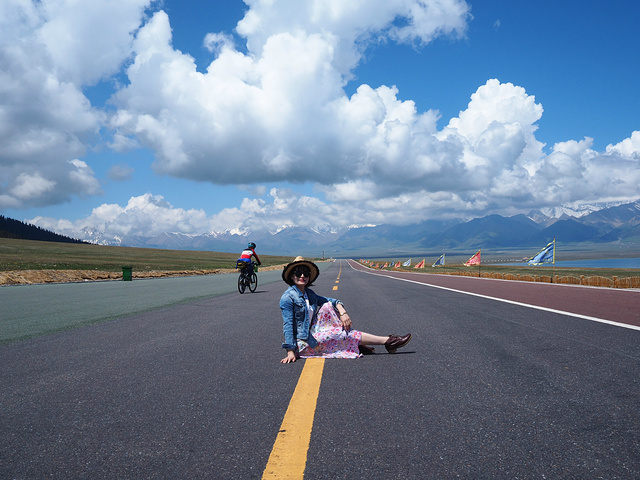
[(247, 253)]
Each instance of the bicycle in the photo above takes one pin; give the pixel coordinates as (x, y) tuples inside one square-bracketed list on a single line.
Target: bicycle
[(248, 277)]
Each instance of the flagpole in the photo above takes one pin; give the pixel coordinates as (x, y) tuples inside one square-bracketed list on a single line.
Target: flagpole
[(554, 259)]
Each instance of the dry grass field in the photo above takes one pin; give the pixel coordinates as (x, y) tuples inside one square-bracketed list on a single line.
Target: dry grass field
[(27, 261)]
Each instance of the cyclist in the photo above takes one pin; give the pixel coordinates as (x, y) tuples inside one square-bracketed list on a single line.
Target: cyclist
[(246, 255)]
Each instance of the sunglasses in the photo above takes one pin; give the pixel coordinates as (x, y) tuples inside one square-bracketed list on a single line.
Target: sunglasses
[(300, 271)]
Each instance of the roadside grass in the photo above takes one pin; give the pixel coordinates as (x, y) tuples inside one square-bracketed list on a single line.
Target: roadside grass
[(18, 254)]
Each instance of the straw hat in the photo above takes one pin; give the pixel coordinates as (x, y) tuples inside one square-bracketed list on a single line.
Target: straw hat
[(286, 272)]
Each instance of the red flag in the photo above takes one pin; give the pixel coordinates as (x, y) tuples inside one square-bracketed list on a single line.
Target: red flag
[(475, 260), (420, 265)]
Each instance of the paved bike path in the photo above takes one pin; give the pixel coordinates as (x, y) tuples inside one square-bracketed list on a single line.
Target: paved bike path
[(31, 310)]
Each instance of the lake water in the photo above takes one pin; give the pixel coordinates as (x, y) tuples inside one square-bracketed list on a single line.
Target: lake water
[(600, 263)]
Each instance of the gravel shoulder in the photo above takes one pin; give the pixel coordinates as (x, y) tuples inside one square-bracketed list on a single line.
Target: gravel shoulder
[(31, 277)]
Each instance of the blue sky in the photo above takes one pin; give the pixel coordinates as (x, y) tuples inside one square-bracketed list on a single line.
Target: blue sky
[(139, 116)]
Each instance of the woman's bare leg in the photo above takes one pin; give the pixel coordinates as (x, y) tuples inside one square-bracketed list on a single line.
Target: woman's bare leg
[(368, 339)]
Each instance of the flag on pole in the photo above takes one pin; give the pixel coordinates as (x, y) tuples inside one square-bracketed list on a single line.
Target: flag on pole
[(439, 261), (474, 260), (407, 263), (420, 265), (398, 265), (546, 255)]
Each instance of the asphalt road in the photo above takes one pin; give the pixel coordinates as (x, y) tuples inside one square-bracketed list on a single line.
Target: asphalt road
[(195, 389)]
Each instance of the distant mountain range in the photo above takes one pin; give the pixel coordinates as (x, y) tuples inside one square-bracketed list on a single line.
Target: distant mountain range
[(596, 224)]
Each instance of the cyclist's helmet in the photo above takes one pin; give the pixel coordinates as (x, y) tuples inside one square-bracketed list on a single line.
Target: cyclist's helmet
[(251, 245)]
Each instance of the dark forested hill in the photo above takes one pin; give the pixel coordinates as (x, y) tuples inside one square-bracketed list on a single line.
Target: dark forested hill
[(10, 228)]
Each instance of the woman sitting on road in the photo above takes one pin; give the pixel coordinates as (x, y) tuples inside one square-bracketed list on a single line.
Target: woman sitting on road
[(317, 326)]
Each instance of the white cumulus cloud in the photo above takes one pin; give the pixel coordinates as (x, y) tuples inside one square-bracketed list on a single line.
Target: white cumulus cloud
[(145, 215), (280, 109), (48, 52)]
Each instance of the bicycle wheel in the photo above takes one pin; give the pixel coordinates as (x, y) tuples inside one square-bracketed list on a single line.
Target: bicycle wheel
[(253, 282), (241, 283)]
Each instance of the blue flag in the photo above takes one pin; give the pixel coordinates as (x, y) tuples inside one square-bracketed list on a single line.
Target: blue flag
[(440, 261), (546, 255), (407, 263)]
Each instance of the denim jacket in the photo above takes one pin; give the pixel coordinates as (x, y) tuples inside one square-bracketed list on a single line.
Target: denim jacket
[(295, 317)]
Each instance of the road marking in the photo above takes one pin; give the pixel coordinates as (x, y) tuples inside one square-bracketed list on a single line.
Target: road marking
[(512, 302), (335, 287), (289, 454)]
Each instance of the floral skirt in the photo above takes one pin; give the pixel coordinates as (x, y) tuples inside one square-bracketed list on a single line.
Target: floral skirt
[(333, 340)]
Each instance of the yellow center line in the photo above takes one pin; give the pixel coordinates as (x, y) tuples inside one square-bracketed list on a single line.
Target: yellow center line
[(289, 454), (335, 287)]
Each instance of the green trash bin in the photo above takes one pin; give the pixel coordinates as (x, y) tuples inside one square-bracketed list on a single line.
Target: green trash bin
[(126, 274)]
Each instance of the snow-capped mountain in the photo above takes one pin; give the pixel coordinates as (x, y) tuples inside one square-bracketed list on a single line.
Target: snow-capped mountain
[(98, 237), (573, 224), (548, 215)]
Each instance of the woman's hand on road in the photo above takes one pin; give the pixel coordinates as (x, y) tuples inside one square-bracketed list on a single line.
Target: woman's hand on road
[(291, 357)]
